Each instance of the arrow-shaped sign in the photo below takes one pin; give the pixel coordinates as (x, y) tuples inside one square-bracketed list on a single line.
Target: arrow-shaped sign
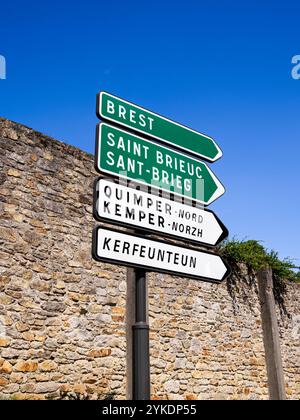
[(116, 247), (134, 117), (128, 156), (121, 205)]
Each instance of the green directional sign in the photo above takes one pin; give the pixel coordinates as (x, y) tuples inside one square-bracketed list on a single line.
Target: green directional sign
[(121, 112), (131, 157)]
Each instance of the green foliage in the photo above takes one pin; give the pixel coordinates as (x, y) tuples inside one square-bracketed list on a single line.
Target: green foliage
[(255, 256), (297, 277)]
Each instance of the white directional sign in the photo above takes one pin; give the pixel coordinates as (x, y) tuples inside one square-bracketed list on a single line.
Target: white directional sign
[(129, 207), (113, 246)]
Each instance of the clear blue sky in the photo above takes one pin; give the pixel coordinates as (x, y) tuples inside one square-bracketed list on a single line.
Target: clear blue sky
[(221, 67)]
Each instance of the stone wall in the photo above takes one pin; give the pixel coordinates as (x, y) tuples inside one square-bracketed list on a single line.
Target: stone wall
[(207, 347), (207, 340), (289, 323), (62, 315)]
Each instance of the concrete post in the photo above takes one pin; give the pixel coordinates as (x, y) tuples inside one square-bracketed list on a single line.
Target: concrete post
[(271, 335)]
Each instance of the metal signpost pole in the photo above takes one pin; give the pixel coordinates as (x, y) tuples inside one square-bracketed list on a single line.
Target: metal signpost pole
[(151, 158), (140, 336)]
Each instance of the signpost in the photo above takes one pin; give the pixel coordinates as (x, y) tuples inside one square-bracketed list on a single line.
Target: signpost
[(121, 205), (163, 158), (117, 247), (120, 112), (127, 156)]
